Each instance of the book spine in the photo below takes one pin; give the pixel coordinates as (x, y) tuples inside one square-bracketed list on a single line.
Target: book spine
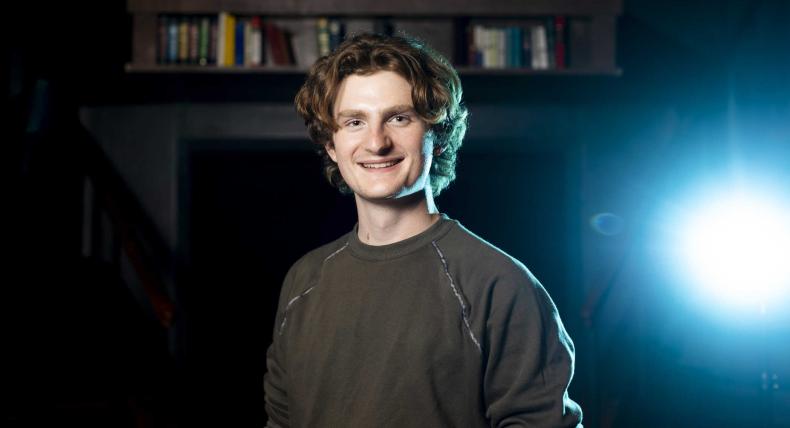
[(560, 41), (273, 40), (240, 43), (477, 46), (502, 45), (323, 36), (486, 42), (183, 40), (256, 46), (204, 33), (222, 23), (550, 58), (194, 34), (335, 33), (288, 46), (510, 47), (172, 40), (539, 48), (518, 52), (230, 40), (526, 47), (212, 41)]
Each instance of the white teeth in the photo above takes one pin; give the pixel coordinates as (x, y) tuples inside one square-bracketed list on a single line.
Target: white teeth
[(380, 165)]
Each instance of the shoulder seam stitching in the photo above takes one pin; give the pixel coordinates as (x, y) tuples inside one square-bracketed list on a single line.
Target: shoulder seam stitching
[(306, 292), (464, 308)]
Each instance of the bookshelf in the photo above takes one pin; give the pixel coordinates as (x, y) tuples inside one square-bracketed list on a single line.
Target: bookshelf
[(587, 36)]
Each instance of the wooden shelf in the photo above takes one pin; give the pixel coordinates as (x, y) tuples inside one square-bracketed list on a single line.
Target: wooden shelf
[(591, 44)]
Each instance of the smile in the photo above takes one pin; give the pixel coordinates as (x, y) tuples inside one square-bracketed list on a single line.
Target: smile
[(381, 164)]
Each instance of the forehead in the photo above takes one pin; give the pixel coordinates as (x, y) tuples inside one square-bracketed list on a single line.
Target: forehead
[(375, 91)]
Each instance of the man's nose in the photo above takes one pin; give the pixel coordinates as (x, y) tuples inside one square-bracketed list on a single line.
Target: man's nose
[(378, 141)]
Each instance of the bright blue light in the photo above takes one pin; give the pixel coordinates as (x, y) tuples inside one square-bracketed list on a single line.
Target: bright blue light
[(735, 248)]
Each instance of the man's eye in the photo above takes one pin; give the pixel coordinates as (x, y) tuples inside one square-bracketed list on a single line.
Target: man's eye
[(354, 123), (401, 119)]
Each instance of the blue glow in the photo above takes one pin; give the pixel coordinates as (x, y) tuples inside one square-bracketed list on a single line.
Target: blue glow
[(733, 249)]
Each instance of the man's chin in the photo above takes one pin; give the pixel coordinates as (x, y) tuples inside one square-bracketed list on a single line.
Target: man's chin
[(401, 196)]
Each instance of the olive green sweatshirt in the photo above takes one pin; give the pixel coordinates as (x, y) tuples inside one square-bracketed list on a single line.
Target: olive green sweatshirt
[(439, 330)]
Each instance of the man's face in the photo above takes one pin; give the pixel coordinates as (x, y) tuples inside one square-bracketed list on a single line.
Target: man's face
[(381, 146)]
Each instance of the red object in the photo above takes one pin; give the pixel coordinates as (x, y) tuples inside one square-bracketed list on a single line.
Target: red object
[(559, 42)]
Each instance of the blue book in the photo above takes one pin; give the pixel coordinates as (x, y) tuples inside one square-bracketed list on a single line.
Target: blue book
[(239, 54), (518, 53), (172, 41)]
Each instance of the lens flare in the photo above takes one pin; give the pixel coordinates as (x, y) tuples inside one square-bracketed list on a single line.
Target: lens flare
[(738, 250)]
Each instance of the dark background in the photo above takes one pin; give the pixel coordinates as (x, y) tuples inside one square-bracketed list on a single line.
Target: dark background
[(703, 96)]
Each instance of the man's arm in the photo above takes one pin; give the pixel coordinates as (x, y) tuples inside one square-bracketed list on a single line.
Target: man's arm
[(274, 388), (529, 359), (274, 381)]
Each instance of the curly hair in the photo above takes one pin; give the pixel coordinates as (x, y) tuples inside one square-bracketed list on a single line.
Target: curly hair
[(435, 91)]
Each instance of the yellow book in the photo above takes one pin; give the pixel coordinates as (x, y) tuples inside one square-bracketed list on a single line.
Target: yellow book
[(183, 40), (230, 40)]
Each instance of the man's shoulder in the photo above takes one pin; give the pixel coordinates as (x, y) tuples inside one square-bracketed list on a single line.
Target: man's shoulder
[(472, 256), (305, 270)]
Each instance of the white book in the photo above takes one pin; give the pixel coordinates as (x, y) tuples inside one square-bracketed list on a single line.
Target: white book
[(256, 42), (249, 45), (540, 48), (303, 35), (221, 23)]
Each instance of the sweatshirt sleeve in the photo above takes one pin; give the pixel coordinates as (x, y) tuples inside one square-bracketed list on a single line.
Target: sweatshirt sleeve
[(274, 381), (528, 358)]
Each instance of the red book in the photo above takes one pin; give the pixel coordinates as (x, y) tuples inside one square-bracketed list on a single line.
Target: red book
[(278, 43), (560, 51)]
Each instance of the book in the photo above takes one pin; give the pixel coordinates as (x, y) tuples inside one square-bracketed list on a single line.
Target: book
[(302, 37), (204, 34), (194, 32), (336, 33), (183, 40), (172, 40), (240, 41), (517, 47), (222, 22), (526, 47), (255, 49), (212, 41), (560, 40), (230, 40), (276, 42), (540, 58), (322, 29), (550, 55)]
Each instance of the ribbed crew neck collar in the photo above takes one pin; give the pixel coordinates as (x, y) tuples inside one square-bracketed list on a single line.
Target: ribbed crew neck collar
[(401, 248)]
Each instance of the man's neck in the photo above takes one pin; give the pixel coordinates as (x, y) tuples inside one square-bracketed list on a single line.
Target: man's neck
[(395, 220)]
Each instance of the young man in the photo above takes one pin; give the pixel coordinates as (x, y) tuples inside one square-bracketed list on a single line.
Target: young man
[(409, 320)]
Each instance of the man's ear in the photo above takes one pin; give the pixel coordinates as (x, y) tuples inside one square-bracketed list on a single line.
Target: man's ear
[(329, 146)]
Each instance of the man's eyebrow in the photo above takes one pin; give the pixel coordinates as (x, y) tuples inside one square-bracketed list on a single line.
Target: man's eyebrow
[(401, 108), (389, 111), (351, 113)]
